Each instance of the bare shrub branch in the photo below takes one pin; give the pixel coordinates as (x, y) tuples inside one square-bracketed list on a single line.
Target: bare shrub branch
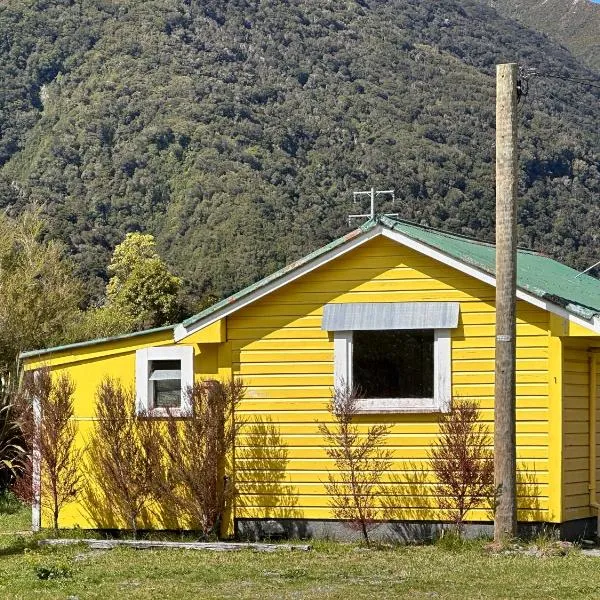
[(462, 461), (197, 455), (54, 436), (361, 461), (122, 453)]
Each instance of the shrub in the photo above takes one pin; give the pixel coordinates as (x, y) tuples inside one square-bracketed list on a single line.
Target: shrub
[(13, 447), (122, 453), (197, 475), (9, 503), (462, 462), (361, 462), (55, 570), (54, 439)]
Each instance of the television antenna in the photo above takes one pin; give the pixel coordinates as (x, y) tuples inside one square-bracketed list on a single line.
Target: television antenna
[(373, 193)]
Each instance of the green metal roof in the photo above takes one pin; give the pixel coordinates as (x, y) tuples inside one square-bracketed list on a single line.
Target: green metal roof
[(32, 353), (279, 274), (538, 275)]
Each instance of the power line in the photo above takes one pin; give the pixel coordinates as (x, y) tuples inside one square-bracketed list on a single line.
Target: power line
[(587, 82), (526, 73)]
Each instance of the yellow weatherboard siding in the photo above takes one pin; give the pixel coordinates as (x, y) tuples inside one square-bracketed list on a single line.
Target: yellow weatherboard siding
[(576, 415), (276, 345), (286, 360), (101, 350), (555, 428)]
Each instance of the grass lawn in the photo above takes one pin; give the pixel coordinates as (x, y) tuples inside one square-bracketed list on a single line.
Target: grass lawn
[(333, 571)]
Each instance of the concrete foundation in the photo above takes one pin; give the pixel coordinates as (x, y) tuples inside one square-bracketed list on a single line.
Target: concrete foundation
[(396, 531), (579, 529)]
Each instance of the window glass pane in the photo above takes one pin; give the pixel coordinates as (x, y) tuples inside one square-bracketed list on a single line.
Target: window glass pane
[(167, 393), (165, 365), (393, 364)]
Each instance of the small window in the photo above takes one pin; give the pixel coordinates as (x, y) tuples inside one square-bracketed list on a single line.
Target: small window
[(393, 364), (165, 377), (162, 376)]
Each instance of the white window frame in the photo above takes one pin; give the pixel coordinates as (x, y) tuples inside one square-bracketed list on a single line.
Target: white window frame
[(442, 373), (145, 389)]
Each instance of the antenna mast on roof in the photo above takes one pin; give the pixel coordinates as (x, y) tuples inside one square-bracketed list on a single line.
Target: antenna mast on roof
[(373, 194)]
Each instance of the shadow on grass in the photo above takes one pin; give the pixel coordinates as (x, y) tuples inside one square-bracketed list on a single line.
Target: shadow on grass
[(20, 544), (9, 503)]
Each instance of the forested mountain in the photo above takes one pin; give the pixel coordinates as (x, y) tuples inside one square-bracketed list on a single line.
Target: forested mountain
[(574, 23), (236, 131)]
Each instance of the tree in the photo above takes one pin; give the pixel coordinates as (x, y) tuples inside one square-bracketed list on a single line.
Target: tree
[(198, 450), (241, 175), (54, 437), (100, 322), (361, 462), (462, 461), (39, 293), (122, 453), (141, 286)]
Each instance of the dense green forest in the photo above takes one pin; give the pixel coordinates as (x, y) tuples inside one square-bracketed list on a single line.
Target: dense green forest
[(574, 23), (236, 131)]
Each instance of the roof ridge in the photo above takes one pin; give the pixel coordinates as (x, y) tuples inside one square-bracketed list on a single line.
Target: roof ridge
[(581, 307), (461, 236)]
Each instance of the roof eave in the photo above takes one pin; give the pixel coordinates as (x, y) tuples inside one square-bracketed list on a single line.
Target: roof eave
[(56, 349), (269, 284), (580, 314)]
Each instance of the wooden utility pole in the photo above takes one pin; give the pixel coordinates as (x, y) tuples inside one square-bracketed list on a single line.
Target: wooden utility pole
[(505, 462)]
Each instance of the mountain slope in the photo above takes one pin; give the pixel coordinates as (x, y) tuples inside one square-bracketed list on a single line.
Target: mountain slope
[(237, 131), (574, 23)]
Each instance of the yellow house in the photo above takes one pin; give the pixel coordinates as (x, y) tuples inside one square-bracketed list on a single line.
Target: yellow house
[(349, 311)]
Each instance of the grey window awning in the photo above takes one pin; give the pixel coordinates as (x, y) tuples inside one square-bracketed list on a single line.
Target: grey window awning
[(390, 315), (164, 374)]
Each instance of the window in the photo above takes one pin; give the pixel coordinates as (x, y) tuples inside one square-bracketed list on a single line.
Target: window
[(397, 355), (393, 364), (163, 375)]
